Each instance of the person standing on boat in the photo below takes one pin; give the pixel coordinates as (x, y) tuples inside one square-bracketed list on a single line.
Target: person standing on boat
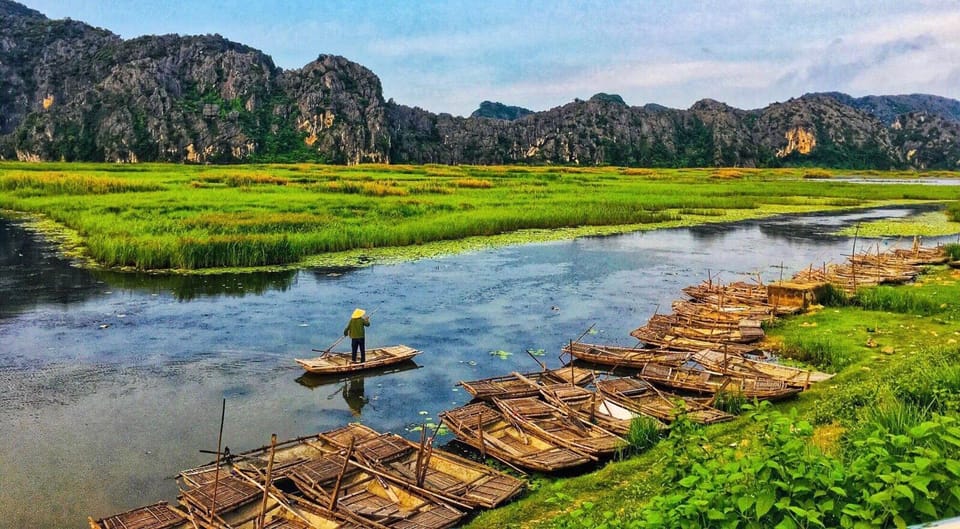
[(354, 329)]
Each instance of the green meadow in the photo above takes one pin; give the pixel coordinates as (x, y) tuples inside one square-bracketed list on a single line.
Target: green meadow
[(193, 218), (877, 445)]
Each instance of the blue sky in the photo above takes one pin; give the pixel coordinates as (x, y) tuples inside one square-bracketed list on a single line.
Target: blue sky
[(450, 56)]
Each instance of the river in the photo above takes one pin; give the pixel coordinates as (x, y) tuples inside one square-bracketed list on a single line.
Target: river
[(110, 383)]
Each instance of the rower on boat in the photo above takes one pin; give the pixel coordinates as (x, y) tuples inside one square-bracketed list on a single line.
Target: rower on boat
[(358, 320)]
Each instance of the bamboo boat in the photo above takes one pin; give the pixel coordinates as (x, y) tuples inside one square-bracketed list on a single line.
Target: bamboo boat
[(593, 407), (954, 264), (228, 501), (659, 333), (709, 382), (509, 386), (483, 427), (551, 424), (728, 364), (449, 477), (641, 396), (159, 515), (611, 355), (330, 363), (708, 314), (366, 496)]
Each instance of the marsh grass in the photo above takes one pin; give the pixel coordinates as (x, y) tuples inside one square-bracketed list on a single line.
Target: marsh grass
[(644, 433), (156, 215), (953, 251), (892, 299)]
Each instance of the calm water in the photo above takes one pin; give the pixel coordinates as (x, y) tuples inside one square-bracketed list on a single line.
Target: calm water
[(111, 383)]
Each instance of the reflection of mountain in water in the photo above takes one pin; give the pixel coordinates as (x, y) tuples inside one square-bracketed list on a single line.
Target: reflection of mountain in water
[(31, 273)]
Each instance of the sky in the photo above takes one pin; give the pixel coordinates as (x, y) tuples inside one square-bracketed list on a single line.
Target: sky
[(448, 56)]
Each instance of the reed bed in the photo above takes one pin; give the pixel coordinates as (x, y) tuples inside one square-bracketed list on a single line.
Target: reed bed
[(178, 216)]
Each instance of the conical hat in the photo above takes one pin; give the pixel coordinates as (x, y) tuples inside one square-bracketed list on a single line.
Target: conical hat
[(358, 313)]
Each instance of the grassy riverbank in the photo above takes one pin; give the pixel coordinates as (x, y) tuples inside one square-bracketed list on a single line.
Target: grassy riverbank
[(878, 445), (214, 217)]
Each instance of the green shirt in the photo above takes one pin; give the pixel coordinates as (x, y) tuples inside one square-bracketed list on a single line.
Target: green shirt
[(355, 327)]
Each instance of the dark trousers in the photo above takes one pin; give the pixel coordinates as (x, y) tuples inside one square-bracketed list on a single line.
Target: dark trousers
[(355, 345)]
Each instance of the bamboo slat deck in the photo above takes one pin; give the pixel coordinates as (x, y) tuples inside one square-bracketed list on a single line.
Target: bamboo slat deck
[(341, 362), (445, 474), (708, 314), (368, 495), (509, 386), (160, 515), (551, 424), (640, 396), (729, 364), (708, 382), (486, 429), (659, 332), (287, 453), (611, 355), (592, 407)]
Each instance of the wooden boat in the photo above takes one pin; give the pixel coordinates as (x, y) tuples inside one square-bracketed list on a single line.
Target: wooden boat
[(157, 516), (954, 264), (509, 386), (445, 475), (366, 496), (611, 355), (708, 314), (551, 424), (286, 454), (709, 382), (729, 364), (230, 500), (593, 407), (483, 427), (641, 396), (330, 363), (659, 333)]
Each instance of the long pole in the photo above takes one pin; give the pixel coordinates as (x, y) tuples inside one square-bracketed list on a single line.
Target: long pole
[(266, 489), (216, 475)]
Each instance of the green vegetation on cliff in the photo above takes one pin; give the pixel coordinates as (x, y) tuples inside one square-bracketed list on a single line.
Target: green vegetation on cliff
[(201, 217)]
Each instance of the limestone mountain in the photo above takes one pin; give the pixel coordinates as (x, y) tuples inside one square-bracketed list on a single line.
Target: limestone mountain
[(74, 92)]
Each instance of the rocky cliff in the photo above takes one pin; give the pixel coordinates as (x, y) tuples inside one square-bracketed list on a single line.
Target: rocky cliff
[(74, 92)]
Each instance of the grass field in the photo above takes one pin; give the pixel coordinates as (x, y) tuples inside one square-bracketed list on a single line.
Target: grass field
[(870, 447), (212, 217)]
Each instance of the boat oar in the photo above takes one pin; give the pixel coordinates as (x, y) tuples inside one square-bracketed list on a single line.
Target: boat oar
[(325, 352)]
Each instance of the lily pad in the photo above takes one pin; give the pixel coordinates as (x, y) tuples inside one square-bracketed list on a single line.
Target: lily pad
[(536, 352), (501, 353)]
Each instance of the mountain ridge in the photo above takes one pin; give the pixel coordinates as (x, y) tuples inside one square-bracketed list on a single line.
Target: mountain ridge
[(71, 91)]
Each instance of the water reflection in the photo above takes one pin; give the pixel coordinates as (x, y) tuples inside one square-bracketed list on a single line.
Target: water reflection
[(31, 274), (190, 287)]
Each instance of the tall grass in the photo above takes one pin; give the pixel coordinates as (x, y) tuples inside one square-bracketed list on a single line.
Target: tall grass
[(644, 433), (156, 215), (819, 350), (894, 299), (953, 251)]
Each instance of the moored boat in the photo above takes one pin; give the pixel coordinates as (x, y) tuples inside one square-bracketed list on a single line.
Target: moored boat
[(483, 427), (509, 386), (330, 363), (709, 382), (548, 422), (730, 364), (615, 356), (448, 476), (642, 397)]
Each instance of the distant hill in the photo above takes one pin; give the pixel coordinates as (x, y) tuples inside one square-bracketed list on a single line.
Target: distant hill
[(69, 91), (493, 110), (888, 108)]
